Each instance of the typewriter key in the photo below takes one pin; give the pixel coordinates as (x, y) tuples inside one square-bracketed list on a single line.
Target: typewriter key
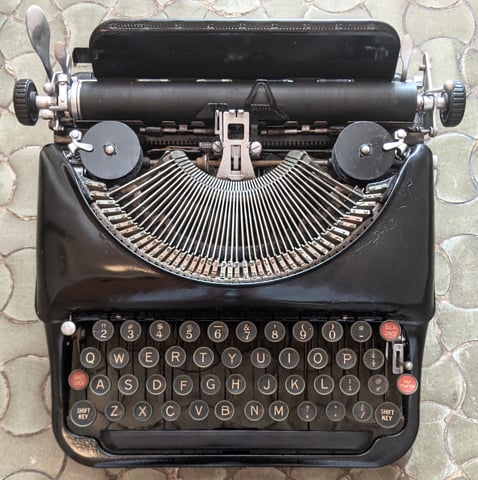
[(274, 331), (267, 384), (390, 330), (346, 358), (160, 330), (118, 357), (235, 384), (224, 410), (361, 331), (246, 331), (294, 384), (303, 331), (128, 384), (254, 410), (114, 411), (349, 385), (103, 330), (183, 385), (171, 411), (148, 357), (387, 415), (231, 357), (332, 331), (142, 411), (324, 384), (175, 356), (378, 384), (261, 357), (317, 358), (130, 330), (278, 411), (156, 384), (189, 331), (203, 357), (210, 384), (335, 411), (100, 385), (217, 331), (199, 410), (90, 357), (307, 411), (362, 411), (373, 359), (83, 413), (78, 380), (289, 358)]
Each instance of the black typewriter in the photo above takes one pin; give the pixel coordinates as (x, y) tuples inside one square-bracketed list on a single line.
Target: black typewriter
[(235, 240)]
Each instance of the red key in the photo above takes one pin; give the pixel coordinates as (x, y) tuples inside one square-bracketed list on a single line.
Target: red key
[(78, 380), (390, 330), (407, 384)]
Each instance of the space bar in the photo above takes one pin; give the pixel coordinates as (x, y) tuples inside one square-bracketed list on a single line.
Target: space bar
[(162, 440)]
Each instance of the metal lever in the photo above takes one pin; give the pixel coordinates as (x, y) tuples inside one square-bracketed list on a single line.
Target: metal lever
[(62, 57), (399, 144), (39, 34), (75, 144), (406, 54)]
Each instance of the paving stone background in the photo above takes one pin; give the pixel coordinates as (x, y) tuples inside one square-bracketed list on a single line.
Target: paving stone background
[(447, 443)]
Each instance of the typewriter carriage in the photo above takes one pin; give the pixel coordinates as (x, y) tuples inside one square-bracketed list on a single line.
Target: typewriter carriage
[(306, 178)]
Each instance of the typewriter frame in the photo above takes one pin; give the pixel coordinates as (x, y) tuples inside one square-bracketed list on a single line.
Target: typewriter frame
[(398, 284)]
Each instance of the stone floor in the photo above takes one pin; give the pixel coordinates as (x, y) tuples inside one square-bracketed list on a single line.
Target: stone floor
[(447, 444)]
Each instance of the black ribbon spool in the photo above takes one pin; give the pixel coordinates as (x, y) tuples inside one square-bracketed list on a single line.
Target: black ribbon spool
[(358, 155), (116, 155)]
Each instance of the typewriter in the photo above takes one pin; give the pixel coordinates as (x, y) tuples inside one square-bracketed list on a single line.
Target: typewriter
[(235, 240)]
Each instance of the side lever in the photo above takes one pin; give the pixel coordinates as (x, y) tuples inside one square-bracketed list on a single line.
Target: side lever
[(39, 34)]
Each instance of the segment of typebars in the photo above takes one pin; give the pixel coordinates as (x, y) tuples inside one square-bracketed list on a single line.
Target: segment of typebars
[(194, 224)]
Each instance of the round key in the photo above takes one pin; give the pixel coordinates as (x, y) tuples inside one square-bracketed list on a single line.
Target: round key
[(361, 331), (235, 384), (306, 411), (378, 384), (373, 359), (324, 384), (217, 332), (289, 358), (246, 331), (118, 357), (224, 410), (142, 411), (103, 330), (130, 330), (170, 411), (90, 357), (156, 384), (332, 331), (261, 357), (362, 411), (231, 357), (390, 330), (198, 410), (267, 384), (407, 384), (346, 358), (114, 411), (175, 356), (303, 331), (387, 415), (148, 357), (189, 331), (128, 384), (210, 384), (294, 384), (78, 380), (203, 357), (335, 411), (349, 385), (83, 413), (278, 411), (254, 410), (274, 331), (159, 330), (100, 385), (183, 385), (317, 358)]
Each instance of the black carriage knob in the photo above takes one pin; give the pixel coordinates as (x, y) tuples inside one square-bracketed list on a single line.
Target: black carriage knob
[(455, 101), (24, 95)]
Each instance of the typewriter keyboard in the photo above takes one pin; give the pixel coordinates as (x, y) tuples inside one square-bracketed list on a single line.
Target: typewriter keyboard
[(169, 374)]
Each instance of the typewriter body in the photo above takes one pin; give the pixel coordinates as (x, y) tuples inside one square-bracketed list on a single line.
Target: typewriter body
[(235, 241)]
